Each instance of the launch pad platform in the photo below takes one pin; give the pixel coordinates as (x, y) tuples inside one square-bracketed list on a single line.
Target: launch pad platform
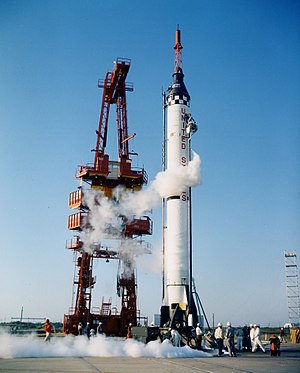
[(258, 362)]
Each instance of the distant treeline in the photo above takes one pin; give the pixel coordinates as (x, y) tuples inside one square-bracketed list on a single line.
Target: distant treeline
[(26, 326)]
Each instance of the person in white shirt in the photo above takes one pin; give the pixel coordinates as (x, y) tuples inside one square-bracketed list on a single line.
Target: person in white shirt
[(175, 338), (219, 338), (198, 337), (251, 334)]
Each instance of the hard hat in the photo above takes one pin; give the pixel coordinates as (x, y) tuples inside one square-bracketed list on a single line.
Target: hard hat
[(198, 324), (250, 325), (219, 324), (254, 325), (228, 323)]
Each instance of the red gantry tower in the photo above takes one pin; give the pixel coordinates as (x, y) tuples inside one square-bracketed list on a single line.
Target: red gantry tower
[(100, 180)]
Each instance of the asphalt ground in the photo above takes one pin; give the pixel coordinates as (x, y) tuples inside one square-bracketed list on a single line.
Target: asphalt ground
[(246, 362)]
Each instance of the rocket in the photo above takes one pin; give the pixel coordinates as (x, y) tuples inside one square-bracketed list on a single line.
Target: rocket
[(177, 263)]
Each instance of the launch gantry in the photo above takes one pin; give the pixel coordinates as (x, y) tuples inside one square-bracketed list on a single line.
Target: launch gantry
[(103, 177)]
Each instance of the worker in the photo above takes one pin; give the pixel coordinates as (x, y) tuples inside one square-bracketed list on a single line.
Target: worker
[(246, 338), (219, 338), (47, 328), (257, 341), (198, 337), (80, 330), (252, 336), (175, 338), (275, 345), (92, 332), (297, 335), (99, 329), (229, 336), (239, 338), (281, 336), (129, 332), (87, 330)]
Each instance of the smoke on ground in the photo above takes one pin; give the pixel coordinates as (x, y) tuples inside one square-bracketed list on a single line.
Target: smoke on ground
[(100, 346)]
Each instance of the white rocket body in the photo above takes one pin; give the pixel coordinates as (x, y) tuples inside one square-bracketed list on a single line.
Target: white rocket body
[(177, 247)]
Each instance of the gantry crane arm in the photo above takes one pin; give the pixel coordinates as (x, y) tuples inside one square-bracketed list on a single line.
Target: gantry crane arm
[(114, 92)]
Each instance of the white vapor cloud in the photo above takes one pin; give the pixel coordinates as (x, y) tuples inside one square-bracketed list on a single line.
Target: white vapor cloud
[(21, 347), (104, 213)]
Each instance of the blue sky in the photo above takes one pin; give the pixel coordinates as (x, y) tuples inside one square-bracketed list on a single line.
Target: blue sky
[(241, 64)]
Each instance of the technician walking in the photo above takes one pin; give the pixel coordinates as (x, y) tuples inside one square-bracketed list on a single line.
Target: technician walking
[(252, 336), (257, 341), (47, 328)]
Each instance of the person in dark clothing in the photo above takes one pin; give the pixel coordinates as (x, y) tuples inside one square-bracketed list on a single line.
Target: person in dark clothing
[(99, 329), (229, 336), (246, 338), (88, 330), (275, 345)]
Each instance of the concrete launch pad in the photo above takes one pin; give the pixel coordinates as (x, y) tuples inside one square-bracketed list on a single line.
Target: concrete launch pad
[(288, 362)]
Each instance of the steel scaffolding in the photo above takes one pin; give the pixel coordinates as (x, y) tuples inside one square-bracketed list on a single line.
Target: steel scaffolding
[(292, 287)]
